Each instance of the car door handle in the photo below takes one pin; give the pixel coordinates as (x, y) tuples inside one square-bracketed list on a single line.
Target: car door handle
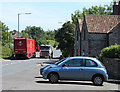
[(81, 69)]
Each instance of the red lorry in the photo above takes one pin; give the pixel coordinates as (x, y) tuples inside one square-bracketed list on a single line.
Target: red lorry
[(24, 48)]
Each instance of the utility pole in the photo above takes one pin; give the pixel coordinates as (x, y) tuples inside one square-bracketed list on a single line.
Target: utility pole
[(18, 21), (18, 24)]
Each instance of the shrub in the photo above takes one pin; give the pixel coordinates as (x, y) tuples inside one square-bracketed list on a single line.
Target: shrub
[(112, 51), (6, 52)]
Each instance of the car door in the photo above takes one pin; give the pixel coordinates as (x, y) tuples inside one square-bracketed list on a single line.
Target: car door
[(72, 69), (90, 69)]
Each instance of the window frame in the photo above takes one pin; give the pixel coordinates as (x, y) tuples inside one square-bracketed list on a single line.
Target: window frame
[(91, 66), (75, 66)]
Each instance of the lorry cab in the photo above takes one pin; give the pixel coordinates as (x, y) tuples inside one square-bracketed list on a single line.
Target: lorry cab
[(46, 51)]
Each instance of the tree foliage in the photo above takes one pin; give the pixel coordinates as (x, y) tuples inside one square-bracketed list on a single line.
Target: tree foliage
[(98, 10), (6, 52), (39, 35), (65, 36), (24, 35), (5, 41), (5, 35)]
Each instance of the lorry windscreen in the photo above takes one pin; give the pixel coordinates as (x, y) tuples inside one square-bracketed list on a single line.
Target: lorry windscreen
[(44, 47)]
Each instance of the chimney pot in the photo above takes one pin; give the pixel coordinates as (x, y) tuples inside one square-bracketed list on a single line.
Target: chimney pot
[(114, 2)]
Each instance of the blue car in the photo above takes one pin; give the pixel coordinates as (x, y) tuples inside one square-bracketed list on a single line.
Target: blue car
[(77, 68), (42, 68)]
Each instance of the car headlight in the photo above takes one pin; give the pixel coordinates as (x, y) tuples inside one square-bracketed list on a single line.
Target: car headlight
[(47, 68)]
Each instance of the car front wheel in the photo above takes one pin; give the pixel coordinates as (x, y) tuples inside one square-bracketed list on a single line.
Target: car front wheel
[(53, 77), (97, 80)]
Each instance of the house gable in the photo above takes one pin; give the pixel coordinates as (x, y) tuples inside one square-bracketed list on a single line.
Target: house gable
[(114, 35)]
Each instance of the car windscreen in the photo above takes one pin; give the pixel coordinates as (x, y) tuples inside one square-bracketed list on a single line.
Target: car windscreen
[(44, 47), (60, 61)]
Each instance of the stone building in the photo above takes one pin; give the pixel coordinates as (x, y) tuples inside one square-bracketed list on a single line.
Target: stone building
[(114, 35), (95, 32)]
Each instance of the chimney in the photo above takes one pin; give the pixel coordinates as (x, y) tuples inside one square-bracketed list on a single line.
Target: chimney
[(114, 2), (116, 8)]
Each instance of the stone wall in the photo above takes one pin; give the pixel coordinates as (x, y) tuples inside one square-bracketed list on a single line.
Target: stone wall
[(96, 42), (95, 47), (113, 67), (97, 36)]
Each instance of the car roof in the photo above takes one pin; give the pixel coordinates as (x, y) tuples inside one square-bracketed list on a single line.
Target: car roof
[(82, 57)]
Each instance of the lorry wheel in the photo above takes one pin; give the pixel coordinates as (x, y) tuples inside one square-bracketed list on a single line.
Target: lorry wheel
[(34, 55), (29, 56)]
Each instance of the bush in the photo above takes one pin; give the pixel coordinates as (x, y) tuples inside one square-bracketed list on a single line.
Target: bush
[(112, 51), (6, 52)]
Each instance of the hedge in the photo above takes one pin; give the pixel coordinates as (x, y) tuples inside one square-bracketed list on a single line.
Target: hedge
[(112, 51), (6, 52)]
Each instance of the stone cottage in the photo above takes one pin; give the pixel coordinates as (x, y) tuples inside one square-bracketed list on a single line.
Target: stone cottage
[(95, 32)]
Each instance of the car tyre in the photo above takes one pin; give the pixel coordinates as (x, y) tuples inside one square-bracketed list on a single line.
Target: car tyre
[(97, 80), (53, 77)]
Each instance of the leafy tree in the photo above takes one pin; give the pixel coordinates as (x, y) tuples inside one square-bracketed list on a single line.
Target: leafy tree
[(99, 10), (5, 35), (39, 35), (35, 33), (5, 41), (24, 35), (65, 36)]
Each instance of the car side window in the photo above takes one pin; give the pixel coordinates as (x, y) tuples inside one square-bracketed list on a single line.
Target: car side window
[(74, 63), (90, 63)]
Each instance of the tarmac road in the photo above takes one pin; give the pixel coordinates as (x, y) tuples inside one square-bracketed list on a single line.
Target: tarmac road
[(24, 75)]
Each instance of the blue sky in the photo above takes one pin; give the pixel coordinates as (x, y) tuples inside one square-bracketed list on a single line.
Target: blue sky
[(45, 14)]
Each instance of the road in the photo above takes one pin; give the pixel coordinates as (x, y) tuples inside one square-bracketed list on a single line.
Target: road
[(24, 75)]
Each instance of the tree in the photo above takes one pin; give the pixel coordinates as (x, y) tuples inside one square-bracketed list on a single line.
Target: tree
[(5, 41), (34, 33), (39, 35), (65, 36), (5, 35), (99, 10), (24, 35)]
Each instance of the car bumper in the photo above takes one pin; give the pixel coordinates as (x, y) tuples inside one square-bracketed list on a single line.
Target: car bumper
[(41, 72), (106, 77), (44, 74)]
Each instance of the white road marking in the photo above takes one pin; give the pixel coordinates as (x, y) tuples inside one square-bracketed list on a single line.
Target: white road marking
[(12, 63)]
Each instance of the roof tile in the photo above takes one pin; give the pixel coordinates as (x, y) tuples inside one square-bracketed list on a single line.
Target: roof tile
[(100, 23)]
